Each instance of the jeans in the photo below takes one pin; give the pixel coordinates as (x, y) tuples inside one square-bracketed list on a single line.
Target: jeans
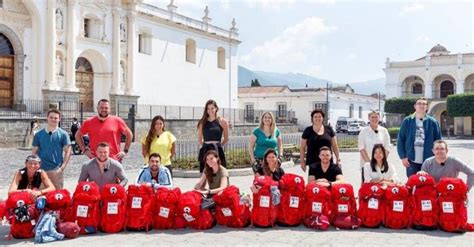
[(413, 168)]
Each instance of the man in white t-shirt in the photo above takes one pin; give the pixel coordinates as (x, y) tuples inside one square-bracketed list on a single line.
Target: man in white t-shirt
[(369, 136)]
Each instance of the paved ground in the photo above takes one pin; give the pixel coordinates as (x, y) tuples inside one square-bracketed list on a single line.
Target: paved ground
[(11, 159)]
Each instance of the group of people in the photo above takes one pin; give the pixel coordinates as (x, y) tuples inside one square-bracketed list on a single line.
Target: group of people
[(419, 147)]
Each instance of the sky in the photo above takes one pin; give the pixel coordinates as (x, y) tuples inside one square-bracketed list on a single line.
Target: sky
[(338, 40)]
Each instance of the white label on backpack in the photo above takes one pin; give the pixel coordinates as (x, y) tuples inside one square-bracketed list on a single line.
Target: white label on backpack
[(343, 208), (397, 206), (112, 208), (448, 207), (294, 202), (264, 201), (317, 207), (226, 212), (426, 205), (136, 202), (373, 203), (82, 211), (164, 212), (33, 222), (188, 217)]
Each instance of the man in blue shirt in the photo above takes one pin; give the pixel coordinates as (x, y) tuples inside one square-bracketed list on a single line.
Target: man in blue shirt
[(416, 137), (155, 174), (50, 144)]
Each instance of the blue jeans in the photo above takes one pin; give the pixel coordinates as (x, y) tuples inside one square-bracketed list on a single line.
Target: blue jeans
[(413, 168)]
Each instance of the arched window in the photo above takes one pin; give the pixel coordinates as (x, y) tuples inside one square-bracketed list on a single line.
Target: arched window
[(221, 58), (190, 51), (447, 88), (6, 47), (417, 88)]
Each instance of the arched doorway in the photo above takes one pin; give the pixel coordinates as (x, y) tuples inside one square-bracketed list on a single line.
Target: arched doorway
[(7, 68), (446, 121), (85, 83), (446, 88)]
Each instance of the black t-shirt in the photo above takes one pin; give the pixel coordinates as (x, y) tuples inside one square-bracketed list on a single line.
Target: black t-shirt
[(331, 173), (276, 175), (314, 142)]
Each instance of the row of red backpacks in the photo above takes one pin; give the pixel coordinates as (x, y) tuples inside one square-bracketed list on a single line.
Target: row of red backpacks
[(421, 204)]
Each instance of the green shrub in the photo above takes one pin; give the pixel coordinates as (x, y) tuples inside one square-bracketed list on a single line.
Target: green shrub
[(400, 105), (460, 105)]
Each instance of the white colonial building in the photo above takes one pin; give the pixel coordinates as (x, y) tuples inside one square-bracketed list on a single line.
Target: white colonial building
[(300, 103), (434, 76), (123, 50)]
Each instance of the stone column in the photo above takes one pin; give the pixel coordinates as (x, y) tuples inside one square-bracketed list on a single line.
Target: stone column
[(71, 45), (429, 89), (50, 61), (459, 86), (115, 89), (131, 47)]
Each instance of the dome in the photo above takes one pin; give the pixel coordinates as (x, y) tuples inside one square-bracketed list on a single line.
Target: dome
[(438, 49)]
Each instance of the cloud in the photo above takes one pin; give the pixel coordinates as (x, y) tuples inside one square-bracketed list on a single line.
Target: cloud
[(423, 39), (279, 4), (295, 49), (414, 7), (351, 56)]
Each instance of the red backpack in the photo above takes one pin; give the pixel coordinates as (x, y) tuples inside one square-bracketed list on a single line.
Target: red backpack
[(22, 214), (139, 207), (318, 207), (189, 212), (112, 213), (344, 207), (292, 205), (166, 203), (423, 199), (264, 212), (59, 201), (85, 210), (229, 209), (452, 204), (371, 208), (397, 207)]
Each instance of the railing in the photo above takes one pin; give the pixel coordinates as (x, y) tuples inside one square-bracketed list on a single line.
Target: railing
[(184, 20)]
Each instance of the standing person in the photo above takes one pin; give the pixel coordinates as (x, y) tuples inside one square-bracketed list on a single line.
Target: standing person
[(213, 133), (102, 169), (314, 138), (74, 127), (378, 170), (266, 136), (104, 128), (155, 174), (369, 136), (215, 175), (33, 129), (416, 137), (51, 143), (160, 141)]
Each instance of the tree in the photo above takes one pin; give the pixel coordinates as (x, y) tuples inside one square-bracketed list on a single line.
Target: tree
[(460, 105), (255, 83)]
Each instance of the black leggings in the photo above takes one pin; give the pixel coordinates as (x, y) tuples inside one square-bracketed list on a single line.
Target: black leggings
[(206, 147)]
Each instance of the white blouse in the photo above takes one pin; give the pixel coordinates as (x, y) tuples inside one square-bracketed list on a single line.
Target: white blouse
[(369, 174)]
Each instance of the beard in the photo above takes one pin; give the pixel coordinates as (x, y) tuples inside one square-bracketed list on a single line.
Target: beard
[(101, 160), (103, 114)]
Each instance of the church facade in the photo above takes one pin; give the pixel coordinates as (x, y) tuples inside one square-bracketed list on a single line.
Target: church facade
[(434, 76), (123, 50)]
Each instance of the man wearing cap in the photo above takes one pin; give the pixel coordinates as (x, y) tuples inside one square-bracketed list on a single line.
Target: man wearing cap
[(102, 169), (31, 178), (50, 144)]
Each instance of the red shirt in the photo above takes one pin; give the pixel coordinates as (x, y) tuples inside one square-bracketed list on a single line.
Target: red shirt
[(109, 131)]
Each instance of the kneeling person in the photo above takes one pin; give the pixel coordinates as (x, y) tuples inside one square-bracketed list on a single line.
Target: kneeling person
[(31, 178), (441, 165), (103, 170), (325, 172), (155, 174), (215, 175)]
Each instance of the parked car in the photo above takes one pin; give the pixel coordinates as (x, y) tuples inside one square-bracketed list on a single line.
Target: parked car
[(354, 128), (342, 124)]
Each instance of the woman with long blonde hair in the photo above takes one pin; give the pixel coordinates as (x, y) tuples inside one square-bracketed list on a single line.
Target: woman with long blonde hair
[(266, 136)]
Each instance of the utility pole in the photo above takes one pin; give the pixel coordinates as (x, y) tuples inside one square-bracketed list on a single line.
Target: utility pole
[(327, 103)]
